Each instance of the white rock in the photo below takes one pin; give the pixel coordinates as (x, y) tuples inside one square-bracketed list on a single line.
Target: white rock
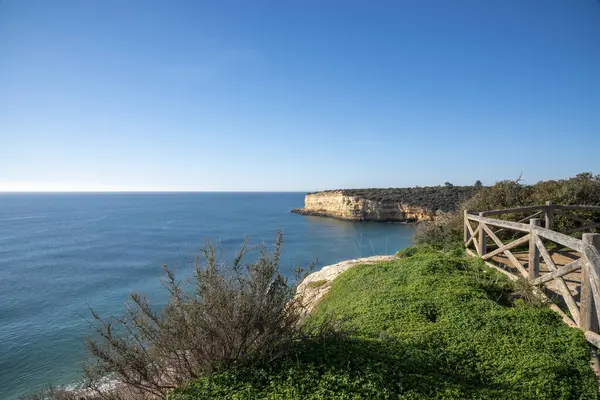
[(309, 294)]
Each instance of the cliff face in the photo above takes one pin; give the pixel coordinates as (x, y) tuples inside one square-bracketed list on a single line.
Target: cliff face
[(336, 204)]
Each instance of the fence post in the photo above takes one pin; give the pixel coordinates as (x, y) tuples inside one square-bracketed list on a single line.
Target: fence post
[(534, 252), (466, 230), (549, 215), (466, 235), (589, 316), (482, 238)]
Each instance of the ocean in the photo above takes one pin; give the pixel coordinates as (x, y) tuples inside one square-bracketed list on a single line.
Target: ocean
[(61, 254)]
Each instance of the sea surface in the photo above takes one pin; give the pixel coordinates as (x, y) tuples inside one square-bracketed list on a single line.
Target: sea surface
[(63, 253)]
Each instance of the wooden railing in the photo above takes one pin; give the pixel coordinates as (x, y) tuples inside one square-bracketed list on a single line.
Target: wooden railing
[(577, 281)]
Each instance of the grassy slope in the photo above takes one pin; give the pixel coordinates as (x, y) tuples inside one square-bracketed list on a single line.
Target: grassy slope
[(425, 326)]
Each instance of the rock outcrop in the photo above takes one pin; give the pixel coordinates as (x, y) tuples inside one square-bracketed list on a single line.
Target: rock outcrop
[(337, 204), (316, 285)]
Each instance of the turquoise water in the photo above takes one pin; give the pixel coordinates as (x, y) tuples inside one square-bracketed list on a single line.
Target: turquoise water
[(63, 253)]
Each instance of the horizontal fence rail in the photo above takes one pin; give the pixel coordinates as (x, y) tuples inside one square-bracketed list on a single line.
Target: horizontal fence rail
[(571, 266)]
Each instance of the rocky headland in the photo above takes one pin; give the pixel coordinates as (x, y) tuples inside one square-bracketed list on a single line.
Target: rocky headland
[(383, 205)]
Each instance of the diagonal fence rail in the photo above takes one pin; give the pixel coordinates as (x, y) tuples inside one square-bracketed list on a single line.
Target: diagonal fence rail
[(547, 258)]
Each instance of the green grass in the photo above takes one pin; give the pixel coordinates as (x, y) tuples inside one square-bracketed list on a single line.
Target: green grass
[(425, 326)]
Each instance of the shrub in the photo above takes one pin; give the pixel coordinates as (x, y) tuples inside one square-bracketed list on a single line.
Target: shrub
[(583, 189), (233, 313), (503, 194), (445, 231)]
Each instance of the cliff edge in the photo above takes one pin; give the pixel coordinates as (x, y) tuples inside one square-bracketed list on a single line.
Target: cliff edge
[(316, 285), (384, 205)]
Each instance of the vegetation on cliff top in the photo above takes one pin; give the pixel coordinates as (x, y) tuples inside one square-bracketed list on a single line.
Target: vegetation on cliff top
[(582, 189), (428, 325), (432, 198)]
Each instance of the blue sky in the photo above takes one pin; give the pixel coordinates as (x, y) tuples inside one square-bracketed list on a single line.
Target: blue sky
[(281, 95)]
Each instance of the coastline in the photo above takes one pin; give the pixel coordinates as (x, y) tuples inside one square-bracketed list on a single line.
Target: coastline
[(326, 214), (378, 205)]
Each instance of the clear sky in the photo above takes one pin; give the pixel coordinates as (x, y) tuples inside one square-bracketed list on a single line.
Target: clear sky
[(296, 95)]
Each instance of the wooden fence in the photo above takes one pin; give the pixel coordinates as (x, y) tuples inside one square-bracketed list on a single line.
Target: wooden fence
[(527, 245)]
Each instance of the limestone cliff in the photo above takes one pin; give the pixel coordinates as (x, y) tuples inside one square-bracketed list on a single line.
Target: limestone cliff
[(338, 204)]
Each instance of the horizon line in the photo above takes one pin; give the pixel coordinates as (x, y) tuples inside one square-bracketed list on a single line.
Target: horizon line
[(147, 191)]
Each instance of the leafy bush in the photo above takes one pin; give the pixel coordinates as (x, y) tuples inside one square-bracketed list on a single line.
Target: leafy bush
[(583, 189), (428, 325), (444, 232), (503, 194)]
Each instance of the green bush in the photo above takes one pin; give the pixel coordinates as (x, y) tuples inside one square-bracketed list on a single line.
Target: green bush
[(428, 325), (583, 189), (444, 232)]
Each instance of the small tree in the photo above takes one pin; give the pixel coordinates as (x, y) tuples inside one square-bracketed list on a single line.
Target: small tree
[(478, 184)]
